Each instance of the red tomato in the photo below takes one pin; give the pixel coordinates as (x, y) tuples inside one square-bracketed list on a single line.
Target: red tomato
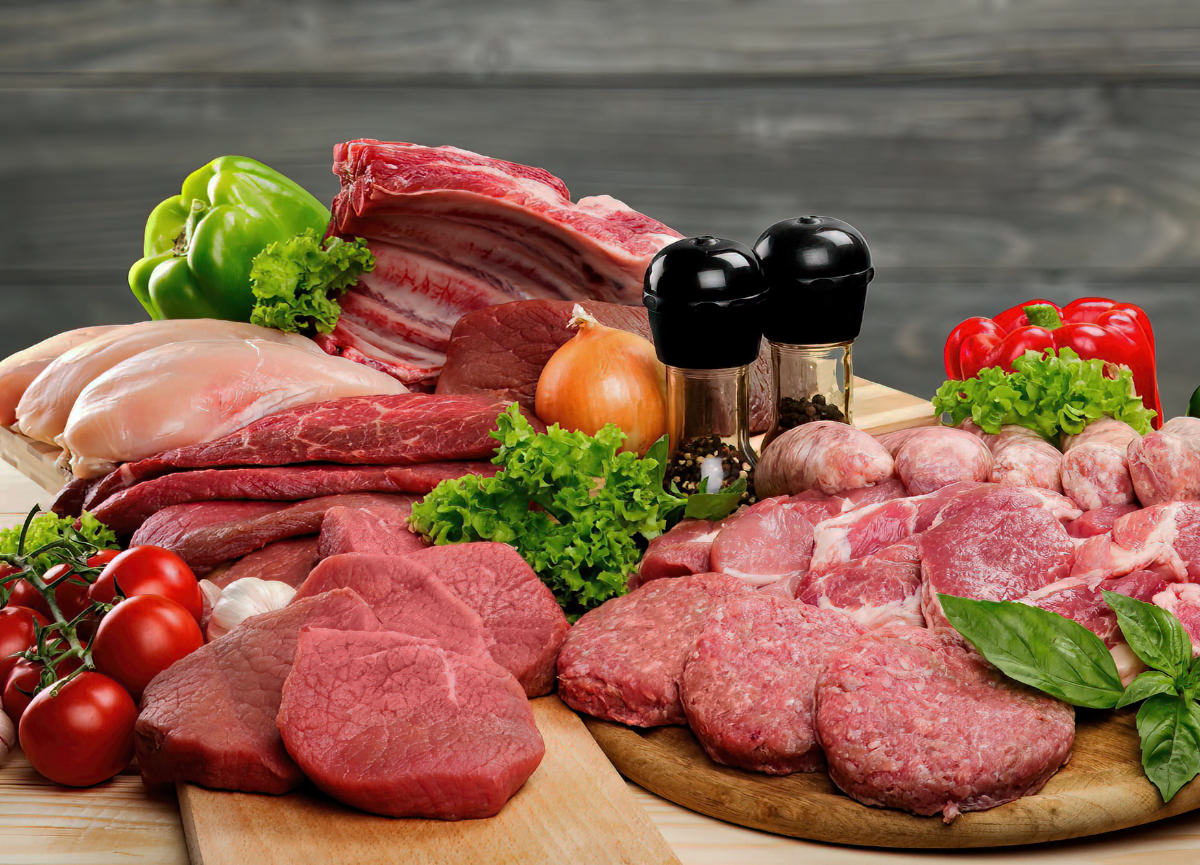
[(83, 734), (71, 595), (21, 686), (141, 637), (102, 558), (16, 634), (148, 570), (25, 595)]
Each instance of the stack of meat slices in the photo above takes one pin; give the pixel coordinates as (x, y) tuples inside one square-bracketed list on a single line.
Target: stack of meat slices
[(805, 632)]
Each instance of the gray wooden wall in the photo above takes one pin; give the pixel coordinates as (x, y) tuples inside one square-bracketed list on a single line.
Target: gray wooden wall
[(991, 150)]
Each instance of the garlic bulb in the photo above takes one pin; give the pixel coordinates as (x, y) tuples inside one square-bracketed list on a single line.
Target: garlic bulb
[(244, 598)]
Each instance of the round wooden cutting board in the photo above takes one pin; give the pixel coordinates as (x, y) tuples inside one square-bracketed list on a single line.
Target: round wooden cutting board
[(1101, 789)]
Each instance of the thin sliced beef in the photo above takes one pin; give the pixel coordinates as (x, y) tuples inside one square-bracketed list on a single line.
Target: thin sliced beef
[(376, 529), (623, 660), (501, 350), (400, 429), (525, 625), (875, 590), (435, 733), (406, 597), (454, 231), (748, 687), (205, 534), (283, 561), (209, 718), (128, 509)]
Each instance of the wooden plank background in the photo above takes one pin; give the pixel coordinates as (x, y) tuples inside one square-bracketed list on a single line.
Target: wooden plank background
[(990, 150)]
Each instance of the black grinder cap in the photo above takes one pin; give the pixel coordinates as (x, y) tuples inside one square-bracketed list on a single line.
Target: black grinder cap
[(817, 268), (705, 298)]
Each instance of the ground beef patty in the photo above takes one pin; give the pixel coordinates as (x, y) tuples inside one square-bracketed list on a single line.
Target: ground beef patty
[(623, 660), (748, 686), (910, 719)]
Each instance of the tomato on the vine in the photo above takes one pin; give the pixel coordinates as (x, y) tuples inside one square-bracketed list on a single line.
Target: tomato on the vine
[(141, 637), (17, 633), (102, 558), (83, 734), (21, 686), (149, 570), (23, 594)]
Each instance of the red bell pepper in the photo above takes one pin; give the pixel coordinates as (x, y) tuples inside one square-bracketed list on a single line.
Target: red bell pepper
[(1094, 327)]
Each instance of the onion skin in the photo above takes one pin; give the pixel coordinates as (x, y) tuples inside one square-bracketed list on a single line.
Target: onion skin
[(604, 375)]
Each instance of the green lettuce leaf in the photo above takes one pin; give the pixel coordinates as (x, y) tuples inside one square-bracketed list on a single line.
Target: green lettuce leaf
[(296, 281), (46, 528)]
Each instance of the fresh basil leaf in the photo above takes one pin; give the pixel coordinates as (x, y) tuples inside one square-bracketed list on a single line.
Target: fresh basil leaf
[(1169, 727), (660, 452), (1146, 685), (1042, 649), (714, 506), (1155, 635)]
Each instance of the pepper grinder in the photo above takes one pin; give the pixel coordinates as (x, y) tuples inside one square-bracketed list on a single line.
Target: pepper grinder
[(705, 296), (817, 269)]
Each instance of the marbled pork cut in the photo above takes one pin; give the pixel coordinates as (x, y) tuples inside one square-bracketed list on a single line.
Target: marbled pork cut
[(685, 549), (209, 718), (1095, 469), (929, 458), (909, 718), (1182, 600), (769, 541), (205, 534), (747, 689), (380, 530), (453, 231), (525, 625), (875, 590), (1165, 465), (188, 392), (129, 508), (437, 734), (1163, 538), (623, 660), (1021, 457), (18, 370), (828, 456), (399, 429), (287, 561), (1098, 521), (991, 551), (501, 350), (406, 598)]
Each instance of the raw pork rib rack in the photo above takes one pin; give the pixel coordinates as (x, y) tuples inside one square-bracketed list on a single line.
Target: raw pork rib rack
[(453, 231)]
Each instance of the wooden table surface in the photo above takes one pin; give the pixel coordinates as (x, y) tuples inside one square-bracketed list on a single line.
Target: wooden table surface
[(119, 822)]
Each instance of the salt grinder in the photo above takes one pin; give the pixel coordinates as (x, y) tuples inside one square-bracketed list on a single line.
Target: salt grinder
[(817, 269), (705, 300)]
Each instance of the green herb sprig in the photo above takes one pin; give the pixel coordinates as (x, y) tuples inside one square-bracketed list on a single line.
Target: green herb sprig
[(296, 281), (1065, 660), (1051, 393), (576, 507)]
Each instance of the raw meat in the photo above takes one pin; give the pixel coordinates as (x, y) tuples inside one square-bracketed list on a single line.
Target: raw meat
[(1081, 600), (748, 686), (929, 458), (453, 231), (402, 429), (685, 549), (828, 456), (1164, 538), (525, 625), (209, 718), (1098, 521), (128, 509), (1182, 600), (1095, 470), (1165, 465), (1021, 457), (189, 392), (993, 549), (501, 350), (406, 598), (623, 660), (45, 406), (283, 561), (205, 534), (874, 590), (769, 541), (910, 719), (435, 733), (368, 530), (18, 370)]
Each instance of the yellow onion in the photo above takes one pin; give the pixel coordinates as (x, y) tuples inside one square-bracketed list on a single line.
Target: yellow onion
[(604, 375)]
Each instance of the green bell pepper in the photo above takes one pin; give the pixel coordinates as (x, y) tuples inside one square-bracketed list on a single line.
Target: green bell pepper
[(199, 244)]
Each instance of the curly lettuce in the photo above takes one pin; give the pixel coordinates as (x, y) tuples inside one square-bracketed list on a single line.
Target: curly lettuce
[(296, 281), (46, 528)]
